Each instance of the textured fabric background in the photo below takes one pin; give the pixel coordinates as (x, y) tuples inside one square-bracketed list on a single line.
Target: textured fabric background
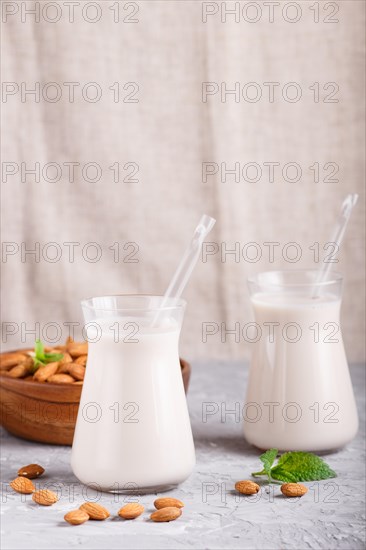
[(169, 133)]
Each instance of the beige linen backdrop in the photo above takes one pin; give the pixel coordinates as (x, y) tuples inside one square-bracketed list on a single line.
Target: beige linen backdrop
[(160, 131)]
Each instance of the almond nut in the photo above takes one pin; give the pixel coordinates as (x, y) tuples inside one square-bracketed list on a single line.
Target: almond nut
[(20, 371), (131, 511), (95, 511), (42, 373), (76, 349), (166, 514), (65, 359), (22, 485), (31, 471), (29, 361), (63, 368), (168, 502), (81, 360), (247, 487), (8, 360), (60, 379), (76, 517), (45, 497), (293, 489), (77, 371)]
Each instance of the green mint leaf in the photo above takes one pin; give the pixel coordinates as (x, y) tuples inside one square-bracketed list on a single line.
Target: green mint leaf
[(39, 350), (293, 467), (301, 467), (50, 357), (261, 473), (36, 364), (41, 358), (281, 475), (268, 458)]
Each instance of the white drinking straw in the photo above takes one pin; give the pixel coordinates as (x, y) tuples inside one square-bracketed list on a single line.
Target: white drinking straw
[(187, 263), (337, 237)]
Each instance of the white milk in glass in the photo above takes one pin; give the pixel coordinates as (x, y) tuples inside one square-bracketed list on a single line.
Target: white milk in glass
[(299, 394), (133, 429)]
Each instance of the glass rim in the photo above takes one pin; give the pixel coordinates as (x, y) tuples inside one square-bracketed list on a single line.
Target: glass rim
[(179, 303), (332, 278)]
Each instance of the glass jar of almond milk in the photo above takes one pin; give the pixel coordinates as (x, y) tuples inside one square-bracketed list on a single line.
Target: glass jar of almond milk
[(299, 395), (133, 433)]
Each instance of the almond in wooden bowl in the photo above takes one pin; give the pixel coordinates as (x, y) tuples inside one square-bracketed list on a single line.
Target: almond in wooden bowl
[(61, 379), (81, 360), (77, 349), (22, 370), (8, 360), (43, 406), (77, 371), (43, 373)]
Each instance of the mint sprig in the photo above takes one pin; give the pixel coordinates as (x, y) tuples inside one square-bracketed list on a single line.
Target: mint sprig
[(293, 467), (42, 358), (268, 458)]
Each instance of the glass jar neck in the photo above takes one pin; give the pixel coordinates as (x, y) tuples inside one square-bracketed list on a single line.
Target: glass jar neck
[(296, 283), (154, 311)]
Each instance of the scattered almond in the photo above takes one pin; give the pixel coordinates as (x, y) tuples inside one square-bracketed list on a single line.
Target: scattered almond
[(43, 373), (166, 514), (45, 497), (76, 517), (247, 487), (131, 511), (31, 471), (8, 360), (168, 502), (77, 371), (60, 379), (95, 511), (77, 349), (293, 489), (22, 485)]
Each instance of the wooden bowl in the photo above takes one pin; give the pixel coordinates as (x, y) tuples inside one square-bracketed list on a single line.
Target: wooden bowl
[(46, 412)]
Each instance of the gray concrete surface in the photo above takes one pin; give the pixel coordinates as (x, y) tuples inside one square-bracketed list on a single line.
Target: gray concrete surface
[(330, 516)]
